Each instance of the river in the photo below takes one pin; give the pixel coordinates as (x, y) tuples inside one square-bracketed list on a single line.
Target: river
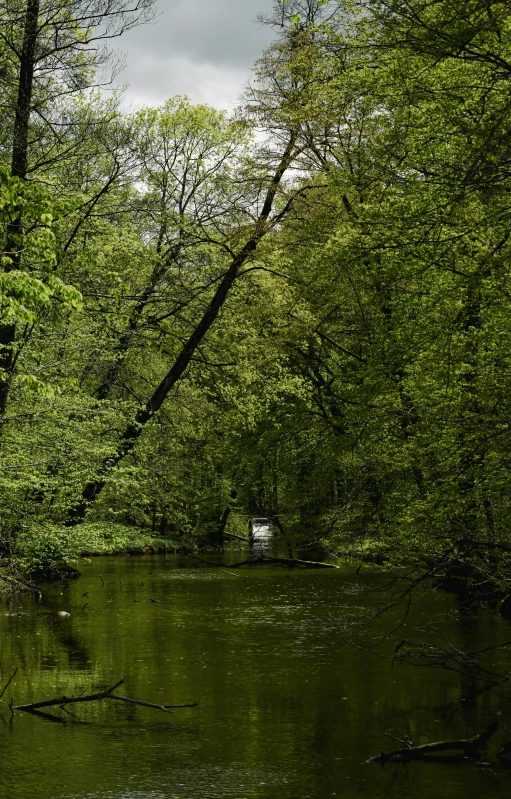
[(287, 709)]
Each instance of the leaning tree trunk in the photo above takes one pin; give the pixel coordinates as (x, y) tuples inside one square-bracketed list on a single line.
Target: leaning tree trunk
[(93, 489)]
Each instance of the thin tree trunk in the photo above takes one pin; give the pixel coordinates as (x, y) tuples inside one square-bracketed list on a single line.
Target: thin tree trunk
[(19, 163), (19, 166)]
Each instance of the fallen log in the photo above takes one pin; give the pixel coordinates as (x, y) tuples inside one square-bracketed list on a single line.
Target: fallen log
[(466, 746), (35, 707), (306, 564), (266, 560)]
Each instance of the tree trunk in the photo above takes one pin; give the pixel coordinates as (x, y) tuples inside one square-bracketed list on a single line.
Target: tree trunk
[(93, 489), (217, 537), (19, 165)]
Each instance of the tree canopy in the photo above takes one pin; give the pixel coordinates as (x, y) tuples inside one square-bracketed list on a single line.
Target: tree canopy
[(300, 311)]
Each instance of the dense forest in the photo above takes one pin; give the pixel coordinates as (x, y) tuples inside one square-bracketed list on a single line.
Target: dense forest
[(301, 310)]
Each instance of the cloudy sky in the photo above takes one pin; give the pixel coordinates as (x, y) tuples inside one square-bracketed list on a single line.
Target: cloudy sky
[(202, 48)]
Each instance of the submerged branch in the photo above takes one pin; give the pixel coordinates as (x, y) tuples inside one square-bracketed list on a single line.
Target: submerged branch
[(68, 700), (307, 564), (265, 560), (35, 707), (164, 708), (467, 746)]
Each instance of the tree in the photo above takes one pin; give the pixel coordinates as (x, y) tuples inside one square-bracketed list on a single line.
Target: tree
[(190, 162), (265, 221), (50, 54), (399, 270)]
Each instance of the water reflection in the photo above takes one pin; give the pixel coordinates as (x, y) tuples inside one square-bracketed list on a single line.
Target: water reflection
[(262, 533), (287, 710)]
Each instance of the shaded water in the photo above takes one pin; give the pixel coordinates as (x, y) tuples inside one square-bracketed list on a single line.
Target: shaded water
[(287, 710)]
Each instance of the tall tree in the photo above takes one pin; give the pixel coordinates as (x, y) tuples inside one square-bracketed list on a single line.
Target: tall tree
[(50, 50), (267, 219)]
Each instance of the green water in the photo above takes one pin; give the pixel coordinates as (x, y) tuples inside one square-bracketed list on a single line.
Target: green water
[(287, 709)]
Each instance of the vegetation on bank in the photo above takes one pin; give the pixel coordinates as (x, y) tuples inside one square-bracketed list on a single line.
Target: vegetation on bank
[(89, 540), (301, 311), (55, 553)]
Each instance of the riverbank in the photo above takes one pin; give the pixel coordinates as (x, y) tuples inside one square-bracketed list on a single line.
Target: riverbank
[(59, 550), (91, 540), (55, 554)]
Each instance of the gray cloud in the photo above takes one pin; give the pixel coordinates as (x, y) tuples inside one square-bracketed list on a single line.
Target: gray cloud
[(202, 48)]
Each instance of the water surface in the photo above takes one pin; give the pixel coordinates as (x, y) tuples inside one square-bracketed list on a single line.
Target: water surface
[(287, 709)]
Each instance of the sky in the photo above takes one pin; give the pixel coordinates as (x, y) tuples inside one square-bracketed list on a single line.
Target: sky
[(202, 48)]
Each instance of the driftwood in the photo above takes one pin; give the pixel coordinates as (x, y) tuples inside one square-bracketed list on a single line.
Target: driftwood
[(469, 747), (35, 707), (68, 700), (266, 560), (165, 708)]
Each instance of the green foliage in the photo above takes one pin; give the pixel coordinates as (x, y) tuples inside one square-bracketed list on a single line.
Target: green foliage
[(35, 286), (44, 544), (355, 385)]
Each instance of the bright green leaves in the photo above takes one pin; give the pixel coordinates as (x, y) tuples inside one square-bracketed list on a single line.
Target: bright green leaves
[(34, 284), (357, 381), (192, 164)]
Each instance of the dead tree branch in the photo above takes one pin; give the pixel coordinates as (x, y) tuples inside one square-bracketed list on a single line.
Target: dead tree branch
[(165, 708), (469, 747), (266, 560), (306, 564), (238, 537), (35, 707), (68, 700)]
